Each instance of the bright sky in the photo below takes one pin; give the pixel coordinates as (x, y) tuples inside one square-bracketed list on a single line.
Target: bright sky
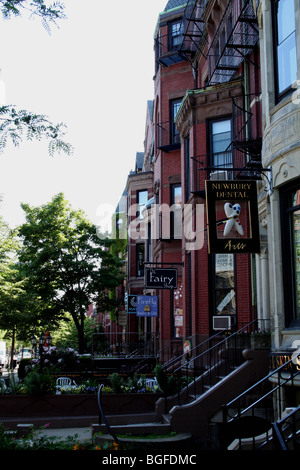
[(95, 74)]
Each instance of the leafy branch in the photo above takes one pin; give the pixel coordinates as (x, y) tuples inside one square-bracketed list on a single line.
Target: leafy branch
[(13, 125), (48, 13)]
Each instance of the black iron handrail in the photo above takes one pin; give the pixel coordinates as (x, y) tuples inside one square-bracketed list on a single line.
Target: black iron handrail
[(104, 417), (174, 360), (286, 431), (261, 406), (202, 370)]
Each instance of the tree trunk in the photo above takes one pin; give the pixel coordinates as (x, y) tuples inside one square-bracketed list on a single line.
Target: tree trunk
[(12, 348)]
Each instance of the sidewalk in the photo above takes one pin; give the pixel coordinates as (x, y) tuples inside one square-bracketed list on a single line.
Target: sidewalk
[(80, 434)]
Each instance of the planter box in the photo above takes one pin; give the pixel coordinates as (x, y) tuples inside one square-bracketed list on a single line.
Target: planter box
[(241, 341), (25, 406), (260, 342)]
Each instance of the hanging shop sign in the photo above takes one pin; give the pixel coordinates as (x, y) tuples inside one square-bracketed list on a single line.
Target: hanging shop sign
[(147, 306), (160, 278), (187, 349), (122, 318), (131, 303), (232, 216)]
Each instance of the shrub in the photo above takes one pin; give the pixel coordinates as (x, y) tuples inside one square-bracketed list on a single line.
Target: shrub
[(133, 384), (38, 384), (169, 384)]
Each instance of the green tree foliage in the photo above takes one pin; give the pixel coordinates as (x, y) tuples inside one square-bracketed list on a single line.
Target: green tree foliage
[(12, 292), (67, 265), (49, 12), (15, 124)]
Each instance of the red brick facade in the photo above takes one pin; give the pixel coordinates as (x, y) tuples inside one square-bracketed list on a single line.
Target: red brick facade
[(187, 94)]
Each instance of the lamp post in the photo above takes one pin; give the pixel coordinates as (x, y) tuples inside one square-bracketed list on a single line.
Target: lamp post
[(33, 344), (43, 341)]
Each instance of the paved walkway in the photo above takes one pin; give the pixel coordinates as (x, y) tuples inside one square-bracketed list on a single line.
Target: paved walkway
[(81, 434)]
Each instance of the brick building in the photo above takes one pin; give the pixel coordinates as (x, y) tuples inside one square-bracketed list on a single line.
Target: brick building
[(194, 132), (223, 211)]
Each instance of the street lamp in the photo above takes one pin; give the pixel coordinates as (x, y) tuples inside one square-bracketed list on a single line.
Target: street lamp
[(33, 344), (43, 341)]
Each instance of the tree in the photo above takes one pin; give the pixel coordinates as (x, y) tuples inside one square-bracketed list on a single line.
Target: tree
[(11, 286), (48, 12), (68, 265), (14, 124)]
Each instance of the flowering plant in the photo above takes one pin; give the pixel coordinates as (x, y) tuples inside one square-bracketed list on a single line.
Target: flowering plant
[(63, 359), (260, 332)]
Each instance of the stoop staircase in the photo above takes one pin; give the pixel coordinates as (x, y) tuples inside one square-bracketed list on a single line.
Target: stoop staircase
[(219, 369)]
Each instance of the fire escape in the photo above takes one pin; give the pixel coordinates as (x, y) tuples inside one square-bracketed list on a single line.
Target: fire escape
[(234, 38)]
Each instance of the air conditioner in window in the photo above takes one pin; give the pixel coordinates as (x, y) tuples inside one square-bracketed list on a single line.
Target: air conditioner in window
[(222, 322), (219, 175)]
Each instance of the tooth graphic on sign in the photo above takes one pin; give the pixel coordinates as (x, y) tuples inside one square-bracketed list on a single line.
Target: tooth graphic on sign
[(232, 212)]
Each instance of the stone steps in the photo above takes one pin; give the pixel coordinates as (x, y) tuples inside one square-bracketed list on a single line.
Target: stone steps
[(134, 429), (135, 424)]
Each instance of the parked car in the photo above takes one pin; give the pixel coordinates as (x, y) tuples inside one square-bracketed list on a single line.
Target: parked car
[(2, 353), (25, 354)]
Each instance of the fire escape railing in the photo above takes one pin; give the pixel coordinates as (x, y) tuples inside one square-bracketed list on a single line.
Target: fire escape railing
[(168, 138), (235, 37), (193, 34), (242, 158)]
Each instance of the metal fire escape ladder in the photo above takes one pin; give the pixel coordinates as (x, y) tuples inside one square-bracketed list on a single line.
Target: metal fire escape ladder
[(235, 37), (193, 33), (194, 28)]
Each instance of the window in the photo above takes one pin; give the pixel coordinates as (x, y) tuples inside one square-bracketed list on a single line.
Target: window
[(175, 136), (291, 254), (178, 310), (175, 35), (221, 153), (225, 299), (285, 45), (140, 259), (142, 197), (187, 169), (175, 215)]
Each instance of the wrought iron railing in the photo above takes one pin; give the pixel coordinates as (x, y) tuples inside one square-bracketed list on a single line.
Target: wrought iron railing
[(247, 124), (102, 415), (257, 403), (209, 362), (168, 138), (286, 432), (236, 35)]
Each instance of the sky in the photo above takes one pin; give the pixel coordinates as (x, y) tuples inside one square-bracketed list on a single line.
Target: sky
[(95, 74)]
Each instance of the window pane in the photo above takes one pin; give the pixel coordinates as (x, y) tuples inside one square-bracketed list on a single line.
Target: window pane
[(221, 140), (285, 19), (178, 310), (225, 285), (142, 197), (296, 237), (287, 63), (221, 135), (296, 198), (177, 30), (140, 250), (177, 195), (286, 44)]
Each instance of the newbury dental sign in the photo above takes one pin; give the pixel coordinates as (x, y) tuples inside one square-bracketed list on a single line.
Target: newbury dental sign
[(159, 278), (232, 216)]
